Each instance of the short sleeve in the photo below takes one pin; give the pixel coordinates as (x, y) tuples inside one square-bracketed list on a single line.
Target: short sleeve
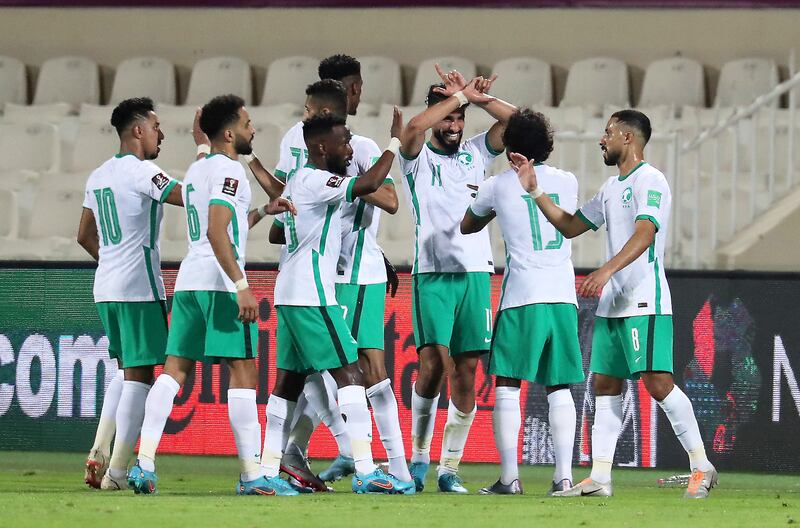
[(484, 201), (331, 188), (153, 182), (287, 162), (408, 164), (226, 186), (480, 143), (651, 197), (87, 199), (570, 202), (279, 220), (592, 211)]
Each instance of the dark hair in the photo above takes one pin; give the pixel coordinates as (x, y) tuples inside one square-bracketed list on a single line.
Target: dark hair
[(529, 133), (129, 111), (219, 113), (435, 97), (338, 67), (320, 125), (635, 119), (331, 93)]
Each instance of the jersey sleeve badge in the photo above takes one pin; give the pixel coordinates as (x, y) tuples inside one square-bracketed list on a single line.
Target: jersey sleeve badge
[(230, 186), (335, 181), (160, 181)]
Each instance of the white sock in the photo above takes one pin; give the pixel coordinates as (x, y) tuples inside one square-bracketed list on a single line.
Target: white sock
[(320, 389), (678, 409), (353, 404), (506, 421), (562, 428), (130, 413), (454, 438), (605, 431), (384, 410), (157, 409), (304, 421), (423, 420), (279, 418), (108, 415), (243, 414)]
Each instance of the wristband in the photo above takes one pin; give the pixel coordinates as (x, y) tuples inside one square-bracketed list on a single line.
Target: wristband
[(248, 158), (241, 284), (262, 211), (394, 146), (462, 99), (537, 192), (203, 149)]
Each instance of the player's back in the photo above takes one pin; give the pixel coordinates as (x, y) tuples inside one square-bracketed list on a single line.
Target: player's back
[(213, 180), (293, 153), (125, 196)]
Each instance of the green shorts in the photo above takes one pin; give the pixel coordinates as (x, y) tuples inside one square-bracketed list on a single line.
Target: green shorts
[(313, 338), (364, 306), (137, 331), (205, 326), (538, 342), (623, 347), (452, 310)]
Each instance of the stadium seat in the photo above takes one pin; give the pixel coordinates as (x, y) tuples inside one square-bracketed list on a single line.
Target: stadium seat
[(426, 75), (284, 116), (287, 79), (72, 80), (96, 142), (13, 81), (595, 82), (178, 150), (217, 76), (675, 81), (9, 216), (741, 81), (151, 77), (523, 81), (173, 241), (51, 236), (396, 232), (45, 113), (382, 82), (259, 250), (33, 146), (780, 147), (476, 121), (90, 113), (267, 142)]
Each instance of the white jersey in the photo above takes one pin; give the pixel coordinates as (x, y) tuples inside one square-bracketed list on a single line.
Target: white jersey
[(307, 275), (437, 189), (361, 258), (641, 287), (538, 258), (213, 180), (125, 195)]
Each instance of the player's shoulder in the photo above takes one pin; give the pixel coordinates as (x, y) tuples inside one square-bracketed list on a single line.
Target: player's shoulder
[(293, 135), (555, 173), (363, 144)]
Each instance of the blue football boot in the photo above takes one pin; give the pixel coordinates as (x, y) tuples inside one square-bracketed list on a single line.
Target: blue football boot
[(418, 472), (341, 467), (451, 483), (274, 486), (142, 481), (380, 482)]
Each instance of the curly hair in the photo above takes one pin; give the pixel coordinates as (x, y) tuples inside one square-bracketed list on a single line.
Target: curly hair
[(529, 133)]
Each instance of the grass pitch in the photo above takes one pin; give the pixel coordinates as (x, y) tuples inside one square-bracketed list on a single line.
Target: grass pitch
[(46, 489)]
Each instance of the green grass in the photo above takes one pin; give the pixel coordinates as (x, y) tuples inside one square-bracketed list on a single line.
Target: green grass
[(46, 489)]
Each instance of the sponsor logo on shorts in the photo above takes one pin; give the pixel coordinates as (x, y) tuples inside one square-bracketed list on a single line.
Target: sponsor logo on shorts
[(160, 181), (230, 186)]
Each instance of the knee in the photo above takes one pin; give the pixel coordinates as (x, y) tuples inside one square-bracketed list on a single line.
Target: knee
[(658, 385), (606, 385)]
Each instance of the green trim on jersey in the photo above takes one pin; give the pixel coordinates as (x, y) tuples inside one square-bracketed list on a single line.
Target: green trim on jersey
[(388, 181), (492, 151), (357, 257), (280, 175), (648, 217), (123, 154), (150, 276), (153, 223), (476, 215), (324, 236), (658, 287), (234, 220), (359, 215), (321, 251), (278, 223), (406, 157), (436, 150), (167, 189), (586, 220), (348, 195), (623, 178)]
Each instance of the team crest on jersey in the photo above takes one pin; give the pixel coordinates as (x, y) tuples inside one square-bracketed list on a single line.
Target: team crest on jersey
[(335, 181), (627, 196), (160, 181), (465, 158), (230, 186)]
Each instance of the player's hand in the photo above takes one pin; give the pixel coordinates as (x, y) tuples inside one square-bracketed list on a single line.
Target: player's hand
[(594, 282), (484, 85), (248, 307), (200, 137), (453, 81), (397, 123), (280, 205), (474, 95), (473, 190), (392, 280), (524, 169)]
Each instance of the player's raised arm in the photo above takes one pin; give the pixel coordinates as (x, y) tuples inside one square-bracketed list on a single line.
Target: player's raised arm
[(87, 234), (274, 207), (570, 225), (385, 198), (498, 109), (373, 179)]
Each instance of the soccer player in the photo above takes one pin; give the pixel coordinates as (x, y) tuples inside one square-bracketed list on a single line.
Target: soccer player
[(214, 310), (633, 328), (536, 331), (452, 311), (312, 334), (119, 228)]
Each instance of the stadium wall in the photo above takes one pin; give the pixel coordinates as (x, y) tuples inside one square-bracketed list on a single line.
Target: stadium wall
[(558, 36), (737, 355)]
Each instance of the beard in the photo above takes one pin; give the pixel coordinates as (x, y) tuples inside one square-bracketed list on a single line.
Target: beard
[(242, 146), (154, 154), (337, 166), (449, 147), (611, 158)]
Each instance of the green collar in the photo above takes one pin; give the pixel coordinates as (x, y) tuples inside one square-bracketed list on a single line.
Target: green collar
[(622, 178), (310, 165), (123, 154), (436, 150), (218, 154)]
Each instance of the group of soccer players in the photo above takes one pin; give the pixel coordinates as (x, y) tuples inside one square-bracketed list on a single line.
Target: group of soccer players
[(326, 195)]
